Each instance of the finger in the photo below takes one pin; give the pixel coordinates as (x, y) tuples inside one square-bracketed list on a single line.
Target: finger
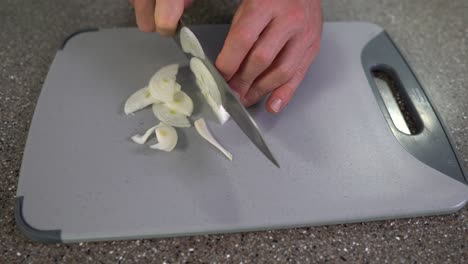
[(280, 72), (241, 38), (144, 12), (167, 14), (265, 50), (238, 13), (280, 97)]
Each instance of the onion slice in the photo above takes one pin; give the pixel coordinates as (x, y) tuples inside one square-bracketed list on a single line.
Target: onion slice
[(181, 103), (205, 80), (141, 139), (167, 137), (170, 116), (163, 83), (202, 129), (169, 72), (220, 112), (164, 89), (207, 84), (190, 43), (177, 87), (139, 100)]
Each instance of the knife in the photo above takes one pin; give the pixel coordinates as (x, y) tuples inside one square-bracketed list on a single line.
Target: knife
[(232, 104)]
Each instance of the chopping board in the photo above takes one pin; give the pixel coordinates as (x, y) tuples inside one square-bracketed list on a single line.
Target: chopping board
[(343, 155)]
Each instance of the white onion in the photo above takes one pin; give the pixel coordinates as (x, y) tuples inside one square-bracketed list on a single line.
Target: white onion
[(202, 129), (167, 137), (190, 43), (181, 103), (164, 90), (141, 139), (163, 83), (170, 116), (207, 84), (205, 80), (177, 87), (139, 100)]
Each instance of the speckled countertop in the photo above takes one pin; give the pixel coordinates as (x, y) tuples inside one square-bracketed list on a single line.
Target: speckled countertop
[(433, 34)]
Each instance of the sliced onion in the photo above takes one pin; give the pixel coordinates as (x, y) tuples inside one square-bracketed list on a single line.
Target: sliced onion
[(141, 139), (207, 84), (219, 110), (205, 80), (163, 83), (190, 43), (181, 103), (167, 137), (177, 87), (169, 71), (170, 116), (139, 100), (164, 89), (202, 129)]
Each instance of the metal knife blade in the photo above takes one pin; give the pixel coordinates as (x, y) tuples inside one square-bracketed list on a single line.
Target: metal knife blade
[(232, 105)]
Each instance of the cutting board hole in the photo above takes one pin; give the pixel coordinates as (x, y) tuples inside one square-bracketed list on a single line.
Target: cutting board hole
[(400, 108)]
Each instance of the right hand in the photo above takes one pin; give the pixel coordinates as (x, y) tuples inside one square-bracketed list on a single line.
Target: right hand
[(161, 16)]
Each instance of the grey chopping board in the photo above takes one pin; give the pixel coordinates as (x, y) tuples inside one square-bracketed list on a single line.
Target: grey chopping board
[(342, 157)]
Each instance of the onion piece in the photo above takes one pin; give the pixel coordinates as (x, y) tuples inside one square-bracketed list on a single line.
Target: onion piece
[(220, 112), (207, 84), (202, 129), (177, 87), (139, 100), (169, 71), (163, 83), (141, 139), (190, 43), (181, 103), (167, 137), (170, 116), (164, 89), (205, 80)]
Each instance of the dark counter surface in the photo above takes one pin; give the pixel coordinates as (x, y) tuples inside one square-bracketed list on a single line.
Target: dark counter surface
[(432, 34)]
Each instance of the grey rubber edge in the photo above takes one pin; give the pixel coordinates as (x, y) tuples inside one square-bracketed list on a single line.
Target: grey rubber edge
[(45, 236), (434, 146), (458, 157), (84, 30)]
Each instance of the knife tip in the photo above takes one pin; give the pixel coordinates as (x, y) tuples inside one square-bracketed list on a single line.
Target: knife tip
[(273, 160)]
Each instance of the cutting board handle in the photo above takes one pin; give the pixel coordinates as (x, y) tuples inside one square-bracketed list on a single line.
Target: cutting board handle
[(426, 139)]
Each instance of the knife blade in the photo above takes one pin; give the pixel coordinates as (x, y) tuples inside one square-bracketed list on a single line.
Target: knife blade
[(232, 104)]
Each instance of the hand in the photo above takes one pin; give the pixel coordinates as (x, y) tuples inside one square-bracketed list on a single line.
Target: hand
[(161, 16), (269, 48)]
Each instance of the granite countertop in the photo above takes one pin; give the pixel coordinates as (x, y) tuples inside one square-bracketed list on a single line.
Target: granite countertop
[(433, 35)]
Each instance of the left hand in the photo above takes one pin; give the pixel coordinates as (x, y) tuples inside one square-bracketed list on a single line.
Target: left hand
[(161, 16), (269, 48)]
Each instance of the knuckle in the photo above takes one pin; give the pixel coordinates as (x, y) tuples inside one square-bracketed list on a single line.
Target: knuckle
[(284, 73), (296, 16), (243, 37), (241, 84), (262, 57)]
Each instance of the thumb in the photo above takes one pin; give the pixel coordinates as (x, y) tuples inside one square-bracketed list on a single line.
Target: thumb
[(167, 14)]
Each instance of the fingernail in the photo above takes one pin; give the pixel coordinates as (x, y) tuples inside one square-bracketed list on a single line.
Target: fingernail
[(276, 105)]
